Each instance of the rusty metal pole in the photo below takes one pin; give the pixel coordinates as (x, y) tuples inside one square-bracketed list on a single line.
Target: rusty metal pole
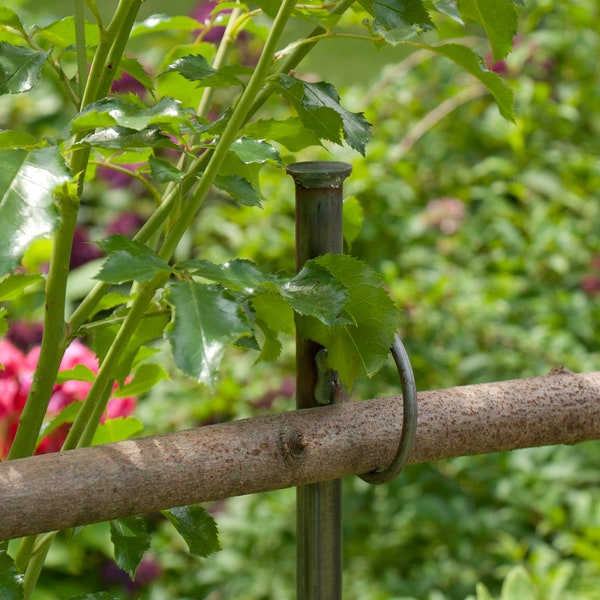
[(319, 505)]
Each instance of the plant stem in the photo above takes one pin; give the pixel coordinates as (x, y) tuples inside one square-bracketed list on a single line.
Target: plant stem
[(81, 46)]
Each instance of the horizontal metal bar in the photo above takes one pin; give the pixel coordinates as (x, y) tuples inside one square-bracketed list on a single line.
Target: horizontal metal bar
[(66, 489)]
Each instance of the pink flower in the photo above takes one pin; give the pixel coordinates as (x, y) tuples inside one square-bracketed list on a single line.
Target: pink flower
[(15, 383)]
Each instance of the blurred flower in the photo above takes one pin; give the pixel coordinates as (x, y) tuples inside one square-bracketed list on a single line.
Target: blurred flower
[(202, 13), (118, 179), (25, 335), (445, 214), (15, 382), (590, 283), (128, 84), (82, 251), (126, 224)]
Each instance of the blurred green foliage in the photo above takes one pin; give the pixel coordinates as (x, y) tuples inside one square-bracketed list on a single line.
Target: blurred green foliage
[(486, 234)]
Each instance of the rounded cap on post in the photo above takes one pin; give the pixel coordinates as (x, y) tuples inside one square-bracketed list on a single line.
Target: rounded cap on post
[(319, 174)]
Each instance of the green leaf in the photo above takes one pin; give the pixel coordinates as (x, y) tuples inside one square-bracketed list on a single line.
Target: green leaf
[(353, 217), (194, 67), (146, 376), (28, 179), (13, 286), (11, 19), (238, 274), (473, 64), (518, 585), (3, 323), (271, 347), (129, 260), (18, 139), (272, 308), (11, 581), (291, 133), (128, 112), (402, 18), (133, 67), (239, 188), (356, 349), (160, 22), (120, 138), (77, 373), (130, 540), (62, 33), (204, 322), (20, 68), (255, 151), (318, 106), (497, 17), (163, 171), (197, 528), (66, 415), (482, 592), (117, 430)]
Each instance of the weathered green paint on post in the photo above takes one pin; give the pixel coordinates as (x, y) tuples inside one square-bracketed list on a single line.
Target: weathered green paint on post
[(319, 505)]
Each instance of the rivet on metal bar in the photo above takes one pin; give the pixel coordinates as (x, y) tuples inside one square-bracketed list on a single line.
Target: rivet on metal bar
[(409, 418)]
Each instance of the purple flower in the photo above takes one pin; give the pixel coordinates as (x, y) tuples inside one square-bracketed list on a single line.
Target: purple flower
[(202, 13), (126, 224), (83, 251)]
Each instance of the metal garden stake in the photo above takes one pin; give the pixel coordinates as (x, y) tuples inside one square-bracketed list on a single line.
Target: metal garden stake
[(319, 505)]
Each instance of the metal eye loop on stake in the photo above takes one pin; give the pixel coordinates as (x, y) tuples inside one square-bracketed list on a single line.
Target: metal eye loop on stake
[(409, 418)]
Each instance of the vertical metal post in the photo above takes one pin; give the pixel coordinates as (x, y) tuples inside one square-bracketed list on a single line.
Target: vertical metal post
[(319, 505)]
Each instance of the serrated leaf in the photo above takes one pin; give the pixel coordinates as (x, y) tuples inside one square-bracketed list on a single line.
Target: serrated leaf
[(163, 171), (270, 307), (14, 285), (497, 17), (291, 133), (133, 67), (120, 138), (271, 347), (28, 179), (10, 18), (128, 112), (130, 540), (405, 18), (318, 106), (473, 64), (239, 188), (118, 429), (255, 151), (204, 322), (129, 260), (11, 581), (146, 376), (356, 349), (238, 274), (20, 68), (197, 528), (195, 67)]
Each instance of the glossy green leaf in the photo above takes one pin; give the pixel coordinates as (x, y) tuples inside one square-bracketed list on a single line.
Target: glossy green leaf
[(13, 286), (270, 349), (120, 138), (129, 260), (402, 18), (239, 188), (161, 22), (356, 349), (291, 133), (195, 67), (205, 321), (238, 274), (255, 151), (197, 528), (497, 17), (473, 64), (20, 68), (130, 540), (11, 581), (28, 179), (130, 113), (318, 106), (146, 376), (133, 67)]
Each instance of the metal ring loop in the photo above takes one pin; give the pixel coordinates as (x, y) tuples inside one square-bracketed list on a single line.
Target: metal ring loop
[(409, 418)]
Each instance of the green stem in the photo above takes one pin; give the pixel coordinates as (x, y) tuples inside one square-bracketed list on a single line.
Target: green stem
[(81, 46)]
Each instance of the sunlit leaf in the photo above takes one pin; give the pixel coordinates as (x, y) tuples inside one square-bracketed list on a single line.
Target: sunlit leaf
[(10, 18), (118, 429), (130, 540), (14, 285), (255, 151), (402, 18), (62, 33), (28, 179), (129, 260), (20, 68), (318, 106), (160, 22), (204, 323), (238, 274), (497, 17), (291, 133), (120, 138), (11, 581), (146, 376), (197, 528)]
